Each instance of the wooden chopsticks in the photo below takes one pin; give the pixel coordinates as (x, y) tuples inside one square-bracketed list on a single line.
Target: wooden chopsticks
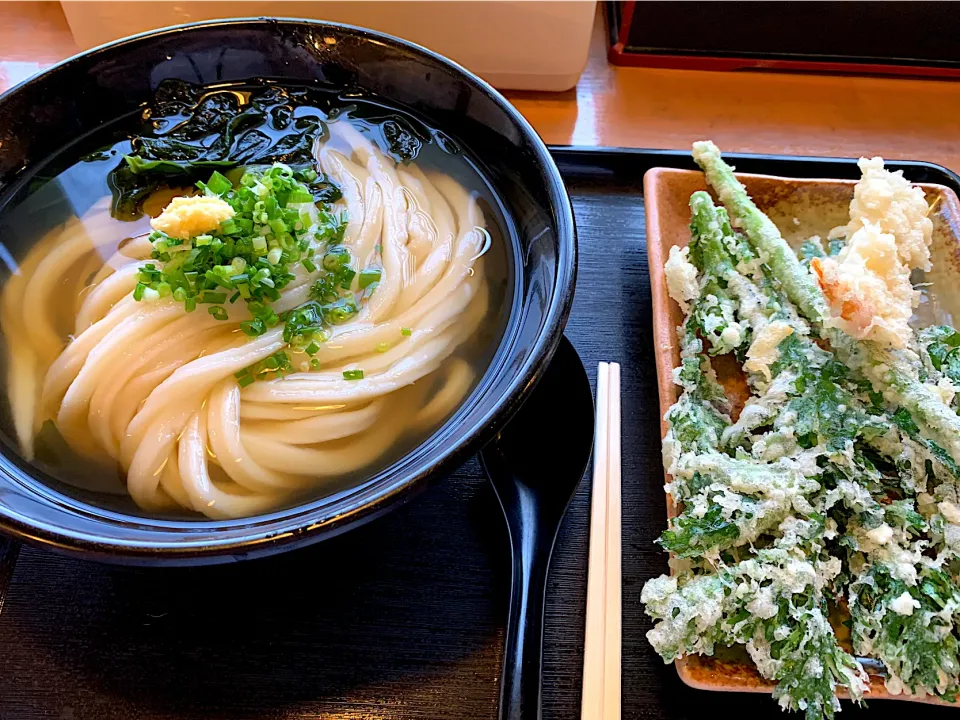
[(601, 656)]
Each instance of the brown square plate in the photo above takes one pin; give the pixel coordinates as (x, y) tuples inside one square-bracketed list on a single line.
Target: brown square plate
[(800, 208)]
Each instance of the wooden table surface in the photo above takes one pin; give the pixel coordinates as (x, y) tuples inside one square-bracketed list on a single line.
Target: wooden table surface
[(637, 107), (759, 112)]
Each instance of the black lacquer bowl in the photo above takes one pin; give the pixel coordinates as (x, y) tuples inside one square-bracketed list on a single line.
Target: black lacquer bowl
[(81, 94)]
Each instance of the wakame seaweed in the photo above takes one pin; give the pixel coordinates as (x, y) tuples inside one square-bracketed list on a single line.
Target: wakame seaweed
[(402, 139), (188, 132)]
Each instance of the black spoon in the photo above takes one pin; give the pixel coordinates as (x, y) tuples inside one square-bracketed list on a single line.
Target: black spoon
[(535, 465)]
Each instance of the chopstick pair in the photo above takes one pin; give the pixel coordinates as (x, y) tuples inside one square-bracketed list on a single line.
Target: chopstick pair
[(601, 656)]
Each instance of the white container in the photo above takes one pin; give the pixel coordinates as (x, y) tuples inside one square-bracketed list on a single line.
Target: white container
[(514, 45)]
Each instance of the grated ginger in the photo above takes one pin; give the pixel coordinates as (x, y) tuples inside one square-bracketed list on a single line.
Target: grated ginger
[(187, 217)]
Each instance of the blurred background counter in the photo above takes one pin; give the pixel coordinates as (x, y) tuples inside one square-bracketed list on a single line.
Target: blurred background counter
[(746, 111)]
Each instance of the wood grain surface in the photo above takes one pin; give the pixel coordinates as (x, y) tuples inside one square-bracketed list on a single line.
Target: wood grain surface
[(759, 112)]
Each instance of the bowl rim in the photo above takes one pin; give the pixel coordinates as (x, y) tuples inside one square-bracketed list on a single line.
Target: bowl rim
[(299, 525)]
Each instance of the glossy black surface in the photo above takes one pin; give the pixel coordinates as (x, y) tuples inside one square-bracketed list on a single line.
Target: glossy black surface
[(83, 93), (535, 465), (403, 619)]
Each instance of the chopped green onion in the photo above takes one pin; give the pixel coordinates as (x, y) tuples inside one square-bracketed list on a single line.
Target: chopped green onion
[(218, 184), (252, 255), (346, 277), (297, 197), (383, 347), (336, 257), (312, 349), (353, 374), (406, 332), (216, 277), (271, 367), (339, 312), (368, 276), (253, 328), (212, 297)]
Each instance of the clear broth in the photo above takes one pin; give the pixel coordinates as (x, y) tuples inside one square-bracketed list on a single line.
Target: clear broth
[(74, 180)]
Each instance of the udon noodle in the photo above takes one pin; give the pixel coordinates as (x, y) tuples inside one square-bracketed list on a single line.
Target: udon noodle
[(152, 388)]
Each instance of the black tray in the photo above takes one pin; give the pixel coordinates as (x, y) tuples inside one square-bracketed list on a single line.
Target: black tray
[(403, 618)]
